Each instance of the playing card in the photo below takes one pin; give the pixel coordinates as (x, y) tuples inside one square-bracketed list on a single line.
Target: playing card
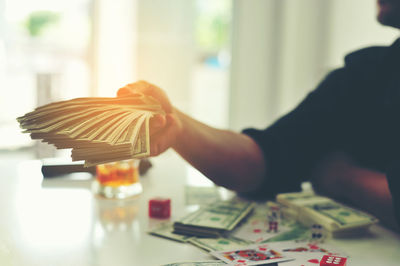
[(304, 253), (251, 255), (257, 230)]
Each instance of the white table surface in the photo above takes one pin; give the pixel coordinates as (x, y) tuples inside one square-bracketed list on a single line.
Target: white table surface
[(59, 222)]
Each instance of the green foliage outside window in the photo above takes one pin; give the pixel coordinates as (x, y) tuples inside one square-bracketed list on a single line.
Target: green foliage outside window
[(213, 24), (39, 20)]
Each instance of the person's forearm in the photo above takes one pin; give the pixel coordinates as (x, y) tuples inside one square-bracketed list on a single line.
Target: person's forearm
[(339, 177), (230, 159)]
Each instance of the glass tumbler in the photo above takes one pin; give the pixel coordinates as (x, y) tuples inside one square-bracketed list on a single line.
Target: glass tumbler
[(118, 180)]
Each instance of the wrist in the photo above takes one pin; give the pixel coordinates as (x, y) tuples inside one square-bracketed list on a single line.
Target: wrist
[(177, 121)]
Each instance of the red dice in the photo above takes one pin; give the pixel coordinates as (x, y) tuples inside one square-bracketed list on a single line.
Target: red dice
[(328, 260), (160, 208)]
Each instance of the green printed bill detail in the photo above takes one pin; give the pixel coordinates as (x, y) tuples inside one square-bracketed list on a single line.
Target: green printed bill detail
[(297, 232), (219, 216), (341, 215), (310, 209), (198, 263), (218, 244), (166, 230), (299, 199)]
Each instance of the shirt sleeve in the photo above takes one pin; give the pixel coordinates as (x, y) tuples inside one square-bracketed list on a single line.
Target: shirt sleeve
[(294, 143), (393, 178)]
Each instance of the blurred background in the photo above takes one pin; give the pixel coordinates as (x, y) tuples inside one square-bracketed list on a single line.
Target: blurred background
[(229, 63)]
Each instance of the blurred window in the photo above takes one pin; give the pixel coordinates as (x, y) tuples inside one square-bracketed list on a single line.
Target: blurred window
[(52, 50), (45, 55), (211, 71)]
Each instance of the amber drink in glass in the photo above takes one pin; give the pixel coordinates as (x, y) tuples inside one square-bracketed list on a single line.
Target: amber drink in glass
[(118, 179)]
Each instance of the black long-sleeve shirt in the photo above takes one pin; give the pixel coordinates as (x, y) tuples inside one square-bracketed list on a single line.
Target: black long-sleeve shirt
[(355, 110)]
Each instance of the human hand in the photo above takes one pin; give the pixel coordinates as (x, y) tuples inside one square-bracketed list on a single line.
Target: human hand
[(164, 129)]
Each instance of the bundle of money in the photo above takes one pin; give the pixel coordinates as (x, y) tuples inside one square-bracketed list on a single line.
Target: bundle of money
[(333, 216), (98, 130), (214, 220), (166, 230)]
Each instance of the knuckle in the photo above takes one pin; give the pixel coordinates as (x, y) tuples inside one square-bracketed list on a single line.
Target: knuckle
[(154, 149)]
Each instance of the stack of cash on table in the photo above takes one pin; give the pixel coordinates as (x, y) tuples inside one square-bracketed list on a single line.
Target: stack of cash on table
[(214, 220), (239, 232), (309, 208), (98, 130)]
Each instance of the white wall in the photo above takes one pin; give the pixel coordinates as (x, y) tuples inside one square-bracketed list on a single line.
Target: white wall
[(282, 49), (303, 46), (353, 26), (114, 58), (253, 69), (165, 52)]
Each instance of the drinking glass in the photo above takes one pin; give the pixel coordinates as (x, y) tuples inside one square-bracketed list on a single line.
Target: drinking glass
[(118, 179)]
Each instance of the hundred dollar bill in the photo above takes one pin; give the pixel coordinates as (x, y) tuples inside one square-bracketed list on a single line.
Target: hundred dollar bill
[(297, 232), (298, 199), (166, 230), (336, 217), (310, 208), (218, 244), (214, 219), (198, 263)]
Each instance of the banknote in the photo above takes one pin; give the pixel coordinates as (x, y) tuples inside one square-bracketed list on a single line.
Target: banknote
[(257, 227), (257, 231), (297, 231), (298, 199), (217, 244), (310, 209), (166, 230), (98, 130), (335, 217), (214, 219)]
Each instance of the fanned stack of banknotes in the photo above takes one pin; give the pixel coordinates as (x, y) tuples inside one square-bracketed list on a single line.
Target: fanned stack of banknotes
[(99, 130)]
